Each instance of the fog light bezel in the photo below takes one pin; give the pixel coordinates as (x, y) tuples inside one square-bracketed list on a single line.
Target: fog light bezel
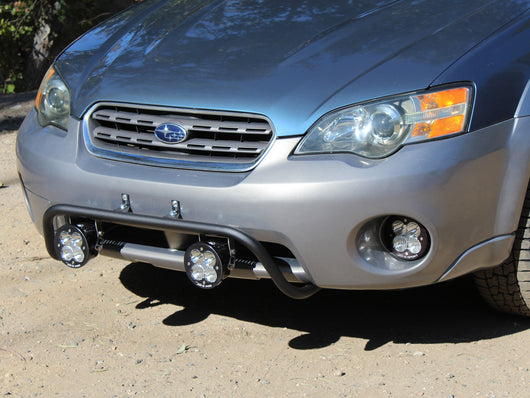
[(368, 251)]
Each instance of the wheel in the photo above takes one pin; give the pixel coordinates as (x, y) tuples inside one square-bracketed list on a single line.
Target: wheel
[(507, 286)]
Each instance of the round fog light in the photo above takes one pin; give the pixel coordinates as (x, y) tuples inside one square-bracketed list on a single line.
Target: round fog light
[(203, 265), (72, 246), (405, 238)]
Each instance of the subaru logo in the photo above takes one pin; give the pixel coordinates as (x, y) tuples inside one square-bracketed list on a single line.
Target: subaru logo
[(171, 133)]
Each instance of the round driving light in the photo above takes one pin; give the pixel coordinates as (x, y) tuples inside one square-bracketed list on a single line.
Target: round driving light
[(203, 264), (405, 238), (73, 245)]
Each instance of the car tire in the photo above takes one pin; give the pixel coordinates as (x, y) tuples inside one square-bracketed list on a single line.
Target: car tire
[(507, 286)]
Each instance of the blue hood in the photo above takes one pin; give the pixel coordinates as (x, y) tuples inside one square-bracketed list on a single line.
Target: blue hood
[(292, 61)]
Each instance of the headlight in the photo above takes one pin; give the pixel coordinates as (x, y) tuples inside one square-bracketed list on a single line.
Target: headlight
[(377, 129), (53, 101)]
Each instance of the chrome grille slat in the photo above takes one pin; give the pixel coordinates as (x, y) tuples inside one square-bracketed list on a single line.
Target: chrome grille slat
[(189, 123), (105, 133), (226, 146), (216, 140)]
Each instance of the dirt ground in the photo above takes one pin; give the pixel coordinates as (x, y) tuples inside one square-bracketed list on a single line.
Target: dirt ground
[(119, 329)]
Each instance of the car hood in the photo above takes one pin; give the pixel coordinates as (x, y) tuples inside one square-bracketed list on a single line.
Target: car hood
[(292, 61)]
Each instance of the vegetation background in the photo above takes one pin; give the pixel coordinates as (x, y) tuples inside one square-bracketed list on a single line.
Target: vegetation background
[(33, 32)]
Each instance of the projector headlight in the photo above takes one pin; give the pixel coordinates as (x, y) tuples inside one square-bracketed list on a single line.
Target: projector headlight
[(377, 129), (53, 101)]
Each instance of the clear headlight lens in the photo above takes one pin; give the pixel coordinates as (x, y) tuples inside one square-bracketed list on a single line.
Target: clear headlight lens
[(53, 101), (377, 129)]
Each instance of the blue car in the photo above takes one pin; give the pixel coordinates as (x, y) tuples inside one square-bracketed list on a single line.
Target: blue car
[(323, 144)]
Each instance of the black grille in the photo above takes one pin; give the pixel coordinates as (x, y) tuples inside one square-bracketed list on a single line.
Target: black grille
[(214, 138)]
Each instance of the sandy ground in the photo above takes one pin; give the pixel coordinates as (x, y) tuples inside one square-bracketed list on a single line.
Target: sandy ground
[(118, 329)]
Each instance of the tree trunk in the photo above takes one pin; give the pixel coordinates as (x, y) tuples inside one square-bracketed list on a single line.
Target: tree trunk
[(43, 51)]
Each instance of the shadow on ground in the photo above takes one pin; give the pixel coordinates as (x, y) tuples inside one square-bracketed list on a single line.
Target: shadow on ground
[(451, 312)]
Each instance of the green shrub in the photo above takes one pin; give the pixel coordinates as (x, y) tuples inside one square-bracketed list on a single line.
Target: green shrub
[(18, 23), (32, 32)]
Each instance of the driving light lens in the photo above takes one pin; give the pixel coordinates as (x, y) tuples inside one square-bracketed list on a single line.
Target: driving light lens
[(405, 238), (74, 244), (203, 264), (53, 101), (379, 128)]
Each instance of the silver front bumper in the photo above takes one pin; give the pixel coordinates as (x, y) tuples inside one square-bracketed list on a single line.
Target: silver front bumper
[(467, 191)]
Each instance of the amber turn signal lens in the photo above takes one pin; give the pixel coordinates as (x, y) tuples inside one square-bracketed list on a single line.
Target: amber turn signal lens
[(40, 94), (443, 99), (442, 113)]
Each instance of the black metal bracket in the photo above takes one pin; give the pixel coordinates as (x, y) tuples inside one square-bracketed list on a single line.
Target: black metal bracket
[(176, 225)]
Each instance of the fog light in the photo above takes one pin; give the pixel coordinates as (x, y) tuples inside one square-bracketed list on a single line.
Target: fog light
[(75, 244), (204, 265), (405, 238)]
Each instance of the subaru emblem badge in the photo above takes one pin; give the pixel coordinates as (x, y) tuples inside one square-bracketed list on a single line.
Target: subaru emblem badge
[(171, 133)]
